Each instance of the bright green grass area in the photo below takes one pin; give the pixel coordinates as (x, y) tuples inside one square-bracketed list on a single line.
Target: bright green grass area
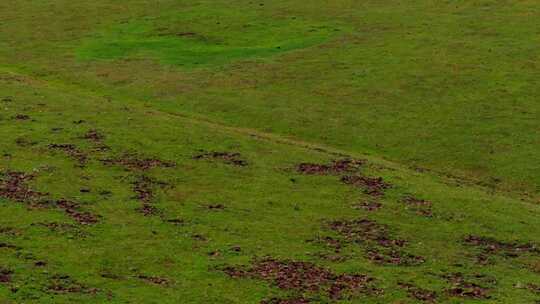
[(204, 36)]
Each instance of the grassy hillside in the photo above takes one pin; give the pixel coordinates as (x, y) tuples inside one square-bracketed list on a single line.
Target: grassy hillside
[(269, 152)]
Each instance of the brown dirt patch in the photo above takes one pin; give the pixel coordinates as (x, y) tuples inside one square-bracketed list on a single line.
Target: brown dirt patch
[(380, 246), (335, 167), (305, 277), (419, 206), (464, 288), (94, 136), (374, 186), (149, 210), (144, 192), (5, 275), (21, 117), (420, 294), (365, 230), (62, 284), (490, 247), (230, 158), (72, 151), (14, 186), (155, 280), (534, 288), (133, 162), (215, 207), (72, 209)]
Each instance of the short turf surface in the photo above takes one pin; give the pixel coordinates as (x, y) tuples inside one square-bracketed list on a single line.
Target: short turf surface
[(269, 152)]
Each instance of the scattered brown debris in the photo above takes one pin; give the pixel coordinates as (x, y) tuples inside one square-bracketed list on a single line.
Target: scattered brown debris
[(336, 167), (368, 206), (227, 157), (155, 280), (149, 210), (71, 209), (10, 231), (462, 288), (299, 300), (64, 284), (144, 190), (329, 242), (135, 163), (534, 288), (178, 222), (365, 230), (490, 246), (5, 275), (21, 117), (420, 206), (94, 136), (72, 151), (13, 186), (215, 207), (381, 247), (305, 277), (374, 186), (420, 294)]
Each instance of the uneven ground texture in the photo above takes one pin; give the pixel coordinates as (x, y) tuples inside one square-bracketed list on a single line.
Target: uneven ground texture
[(269, 151)]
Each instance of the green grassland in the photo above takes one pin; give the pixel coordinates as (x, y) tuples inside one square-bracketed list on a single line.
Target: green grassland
[(153, 151)]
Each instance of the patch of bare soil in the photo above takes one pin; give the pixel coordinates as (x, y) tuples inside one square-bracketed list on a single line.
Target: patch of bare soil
[(94, 136), (5, 275), (490, 247), (215, 207), (230, 158), (465, 288), (374, 186), (136, 163), (21, 117), (305, 277), (10, 231), (14, 186), (72, 209), (534, 288), (72, 151), (380, 246), (62, 284), (155, 280), (144, 192), (419, 294), (335, 167), (419, 206)]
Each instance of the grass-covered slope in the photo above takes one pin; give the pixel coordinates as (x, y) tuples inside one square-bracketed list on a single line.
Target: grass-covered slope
[(447, 86), (111, 201), (269, 152)]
